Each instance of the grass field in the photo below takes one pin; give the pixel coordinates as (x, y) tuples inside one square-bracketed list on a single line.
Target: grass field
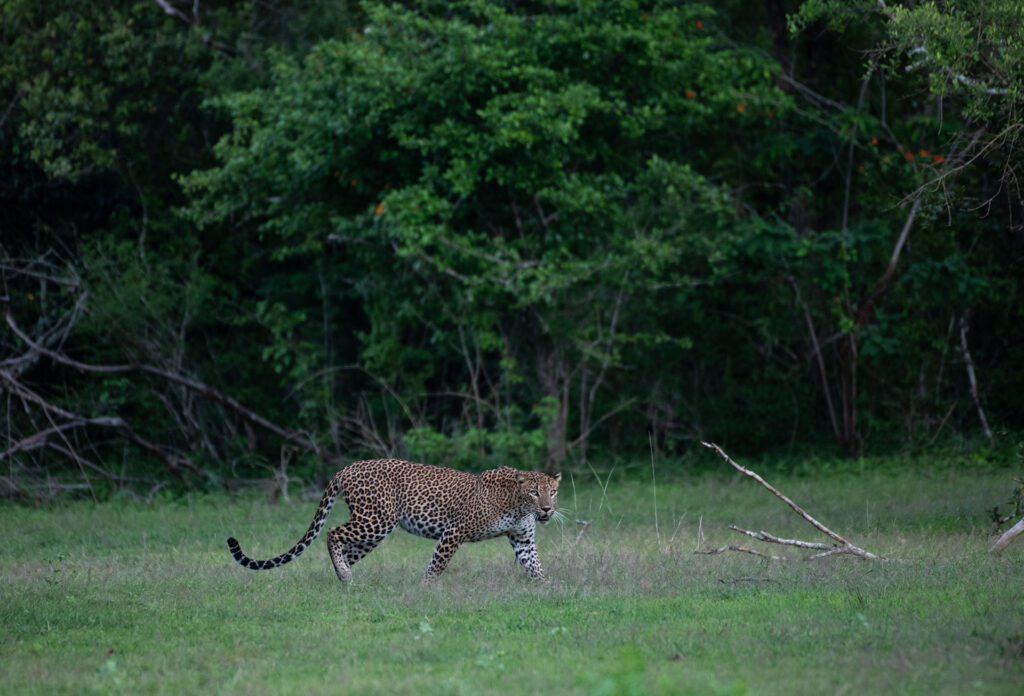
[(128, 598)]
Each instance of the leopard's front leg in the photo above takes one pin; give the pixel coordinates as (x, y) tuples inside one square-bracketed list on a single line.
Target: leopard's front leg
[(525, 548)]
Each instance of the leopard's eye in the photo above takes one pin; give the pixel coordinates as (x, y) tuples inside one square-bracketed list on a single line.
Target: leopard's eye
[(554, 491), (535, 493)]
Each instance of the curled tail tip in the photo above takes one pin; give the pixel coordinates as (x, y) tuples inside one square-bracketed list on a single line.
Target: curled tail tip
[(232, 543)]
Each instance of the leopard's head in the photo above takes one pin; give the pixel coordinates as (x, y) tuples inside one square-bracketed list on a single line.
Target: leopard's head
[(541, 490)]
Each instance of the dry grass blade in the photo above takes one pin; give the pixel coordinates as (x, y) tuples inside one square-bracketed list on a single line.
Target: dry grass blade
[(585, 523)]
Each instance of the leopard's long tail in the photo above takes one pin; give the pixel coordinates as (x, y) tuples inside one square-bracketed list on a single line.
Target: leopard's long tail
[(330, 496)]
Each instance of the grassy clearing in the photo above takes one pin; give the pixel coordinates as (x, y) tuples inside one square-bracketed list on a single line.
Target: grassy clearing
[(628, 610)]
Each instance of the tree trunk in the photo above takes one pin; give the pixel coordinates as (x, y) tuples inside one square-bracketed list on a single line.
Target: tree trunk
[(554, 381)]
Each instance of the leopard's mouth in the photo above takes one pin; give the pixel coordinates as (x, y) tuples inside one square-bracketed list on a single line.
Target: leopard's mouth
[(543, 519)]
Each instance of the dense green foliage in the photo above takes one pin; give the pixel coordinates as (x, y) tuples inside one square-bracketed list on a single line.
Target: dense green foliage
[(144, 599), (482, 232)]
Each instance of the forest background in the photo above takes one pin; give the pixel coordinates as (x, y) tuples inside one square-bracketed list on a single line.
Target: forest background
[(238, 237)]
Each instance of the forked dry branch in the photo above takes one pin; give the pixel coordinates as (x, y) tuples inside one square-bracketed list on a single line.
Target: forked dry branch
[(841, 545)]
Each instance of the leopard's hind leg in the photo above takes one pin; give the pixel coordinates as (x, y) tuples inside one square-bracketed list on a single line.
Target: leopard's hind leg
[(351, 541)]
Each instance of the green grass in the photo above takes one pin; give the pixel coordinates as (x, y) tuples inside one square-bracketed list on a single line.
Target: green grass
[(627, 611)]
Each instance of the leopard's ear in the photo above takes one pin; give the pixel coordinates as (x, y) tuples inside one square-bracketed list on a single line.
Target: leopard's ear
[(557, 476)]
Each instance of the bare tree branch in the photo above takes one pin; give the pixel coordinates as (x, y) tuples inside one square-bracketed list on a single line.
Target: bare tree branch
[(173, 11), (819, 359), (883, 284), (207, 391), (37, 440), (173, 462), (966, 353), (958, 161)]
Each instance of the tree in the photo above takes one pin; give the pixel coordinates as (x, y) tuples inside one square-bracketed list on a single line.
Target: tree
[(99, 110), (520, 189), (965, 55)]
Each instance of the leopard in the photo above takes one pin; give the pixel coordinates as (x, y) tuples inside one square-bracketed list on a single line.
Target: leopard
[(448, 505)]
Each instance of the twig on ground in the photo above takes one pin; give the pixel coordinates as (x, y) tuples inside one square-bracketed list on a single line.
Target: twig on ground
[(732, 581), (842, 546)]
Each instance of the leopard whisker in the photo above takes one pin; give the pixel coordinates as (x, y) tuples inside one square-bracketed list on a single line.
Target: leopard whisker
[(560, 516)]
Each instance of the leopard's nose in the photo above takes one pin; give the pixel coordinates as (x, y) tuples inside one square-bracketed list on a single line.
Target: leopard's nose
[(546, 509)]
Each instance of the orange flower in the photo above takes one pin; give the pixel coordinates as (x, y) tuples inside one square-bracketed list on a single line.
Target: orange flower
[(353, 183), (379, 209), (387, 187), (860, 168), (700, 24), (690, 94), (770, 114), (740, 108), (938, 159), (909, 155), (874, 141), (923, 152)]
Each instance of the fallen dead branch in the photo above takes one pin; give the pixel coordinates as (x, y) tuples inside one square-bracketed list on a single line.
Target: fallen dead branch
[(1008, 536), (841, 545), (742, 549), (733, 581)]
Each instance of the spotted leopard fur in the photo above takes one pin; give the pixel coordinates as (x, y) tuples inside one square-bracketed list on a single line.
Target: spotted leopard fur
[(451, 506)]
